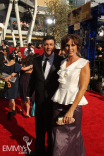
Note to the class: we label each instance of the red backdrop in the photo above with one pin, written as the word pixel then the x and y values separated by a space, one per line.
pixel 40 51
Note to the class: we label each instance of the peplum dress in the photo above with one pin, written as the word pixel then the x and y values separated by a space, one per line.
pixel 67 139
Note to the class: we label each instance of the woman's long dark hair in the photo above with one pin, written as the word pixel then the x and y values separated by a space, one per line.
pixel 28 60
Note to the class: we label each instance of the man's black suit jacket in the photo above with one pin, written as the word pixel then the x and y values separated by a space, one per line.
pixel 18 61
pixel 44 89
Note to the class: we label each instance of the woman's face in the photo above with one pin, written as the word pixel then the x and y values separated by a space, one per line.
pixel 70 48
pixel 2 43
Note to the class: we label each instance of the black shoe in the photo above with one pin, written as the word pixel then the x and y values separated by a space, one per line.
pixel 9 115
pixel 14 113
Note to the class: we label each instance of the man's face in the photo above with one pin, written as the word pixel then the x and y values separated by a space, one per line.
pixel 48 47
pixel 19 54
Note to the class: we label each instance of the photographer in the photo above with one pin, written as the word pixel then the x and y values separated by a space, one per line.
pixel 29 50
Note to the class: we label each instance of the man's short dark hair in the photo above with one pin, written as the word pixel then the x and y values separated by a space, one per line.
pixel 20 51
pixel 29 44
pixel 48 37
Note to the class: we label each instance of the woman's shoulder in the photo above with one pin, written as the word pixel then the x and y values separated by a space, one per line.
pixel 82 62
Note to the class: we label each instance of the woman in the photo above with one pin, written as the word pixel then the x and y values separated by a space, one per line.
pixel 24 81
pixel 4 46
pixel 11 91
pixel 74 76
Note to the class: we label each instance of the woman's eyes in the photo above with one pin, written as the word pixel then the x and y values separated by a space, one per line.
pixel 69 45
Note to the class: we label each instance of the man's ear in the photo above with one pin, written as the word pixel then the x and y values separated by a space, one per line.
pixel 55 46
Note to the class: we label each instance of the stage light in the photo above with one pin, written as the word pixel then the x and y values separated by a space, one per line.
pixel 49 21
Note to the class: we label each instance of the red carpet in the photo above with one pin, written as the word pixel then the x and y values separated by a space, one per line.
pixel 20 131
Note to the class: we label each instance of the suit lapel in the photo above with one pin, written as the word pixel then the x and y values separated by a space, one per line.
pixel 40 66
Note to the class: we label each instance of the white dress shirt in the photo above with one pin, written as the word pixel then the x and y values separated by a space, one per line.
pixel 48 65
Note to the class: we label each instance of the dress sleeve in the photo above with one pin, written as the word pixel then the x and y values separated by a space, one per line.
pixel 17 67
pixel 82 63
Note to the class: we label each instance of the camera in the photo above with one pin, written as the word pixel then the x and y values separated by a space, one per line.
pixel 29 49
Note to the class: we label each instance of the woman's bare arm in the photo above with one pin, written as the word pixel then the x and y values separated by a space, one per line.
pixel 27 68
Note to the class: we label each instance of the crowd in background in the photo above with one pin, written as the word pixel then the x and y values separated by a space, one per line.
pixel 13 62
pixel 25 26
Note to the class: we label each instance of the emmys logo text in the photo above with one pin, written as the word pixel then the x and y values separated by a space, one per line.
pixel 20 149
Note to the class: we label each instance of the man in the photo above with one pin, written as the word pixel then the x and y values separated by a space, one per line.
pixel 44 82
pixel 19 58
pixel 99 51
pixel 29 50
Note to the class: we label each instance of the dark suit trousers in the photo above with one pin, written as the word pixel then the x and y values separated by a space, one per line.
pixel 43 121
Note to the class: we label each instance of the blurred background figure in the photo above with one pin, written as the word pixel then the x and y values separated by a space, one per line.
pixel 5 56
pixel 1 59
pixel 11 91
pixel 99 51
pixel 4 46
pixel 15 51
pixel 39 45
pixel 19 58
pixel 24 81
pixel 29 50
pixel 62 53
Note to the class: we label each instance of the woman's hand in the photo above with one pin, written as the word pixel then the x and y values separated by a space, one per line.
pixel 68 116
pixel 6 79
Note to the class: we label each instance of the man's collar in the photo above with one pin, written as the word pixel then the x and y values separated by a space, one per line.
pixel 49 57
